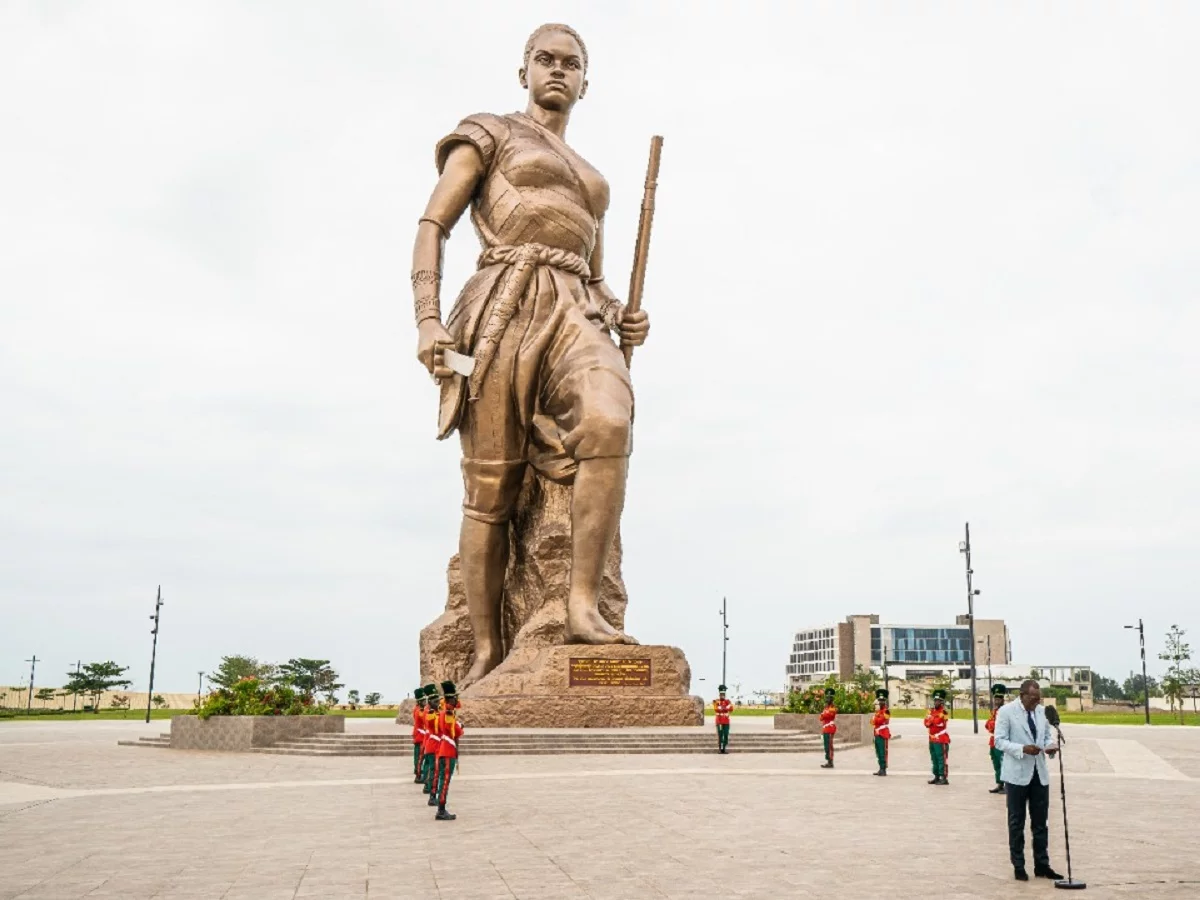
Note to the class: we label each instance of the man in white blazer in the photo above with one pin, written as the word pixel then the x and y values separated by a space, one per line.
pixel 1024 737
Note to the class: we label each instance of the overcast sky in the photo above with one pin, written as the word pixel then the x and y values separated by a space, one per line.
pixel 909 269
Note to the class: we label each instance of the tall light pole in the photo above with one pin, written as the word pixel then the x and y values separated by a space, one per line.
pixel 724 639
pixel 75 696
pixel 32 668
pixel 200 689
pixel 1145 681
pixel 964 547
pixel 153 651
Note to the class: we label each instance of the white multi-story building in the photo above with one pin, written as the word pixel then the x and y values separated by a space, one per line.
pixel 814 655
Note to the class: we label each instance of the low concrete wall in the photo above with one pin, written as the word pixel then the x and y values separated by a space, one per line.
pixel 852 727
pixel 235 733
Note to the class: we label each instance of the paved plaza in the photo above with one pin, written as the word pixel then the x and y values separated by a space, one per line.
pixel 82 817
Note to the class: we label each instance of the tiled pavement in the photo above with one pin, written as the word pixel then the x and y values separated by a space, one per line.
pixel 81 817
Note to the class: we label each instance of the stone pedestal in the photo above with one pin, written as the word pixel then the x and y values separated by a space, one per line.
pixel 581 686
pixel 240 733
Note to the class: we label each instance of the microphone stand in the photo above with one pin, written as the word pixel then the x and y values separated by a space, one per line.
pixel 1068 883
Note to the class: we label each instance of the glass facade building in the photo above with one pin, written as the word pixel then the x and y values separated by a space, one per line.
pixel 905 644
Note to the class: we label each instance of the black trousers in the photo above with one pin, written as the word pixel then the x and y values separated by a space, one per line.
pixel 1037 796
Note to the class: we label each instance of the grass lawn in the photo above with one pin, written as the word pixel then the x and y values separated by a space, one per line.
pixel 105 715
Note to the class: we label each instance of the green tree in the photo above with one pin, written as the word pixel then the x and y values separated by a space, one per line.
pixel 158 701
pixel 1135 689
pixel 1176 653
pixel 1106 689
pixel 310 677
pixel 906 697
pixel 352 699
pixel 234 668
pixel 865 680
pixel 96 678
pixel 120 701
pixel 45 695
pixel 372 699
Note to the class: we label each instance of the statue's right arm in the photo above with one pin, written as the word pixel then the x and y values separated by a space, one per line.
pixel 460 178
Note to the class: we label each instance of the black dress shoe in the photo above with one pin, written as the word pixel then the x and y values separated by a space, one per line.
pixel 1020 874
pixel 934 780
pixel 445 816
pixel 1046 872
pixel 827 766
pixel 998 789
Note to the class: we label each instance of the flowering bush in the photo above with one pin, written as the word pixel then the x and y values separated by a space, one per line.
pixel 847 698
pixel 251 697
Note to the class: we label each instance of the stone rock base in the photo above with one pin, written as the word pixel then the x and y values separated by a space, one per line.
pixel 582 686
pixel 581 712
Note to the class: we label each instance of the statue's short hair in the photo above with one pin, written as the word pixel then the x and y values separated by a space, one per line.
pixel 555 26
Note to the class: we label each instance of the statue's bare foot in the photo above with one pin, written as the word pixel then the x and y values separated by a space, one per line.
pixel 587 626
pixel 486 659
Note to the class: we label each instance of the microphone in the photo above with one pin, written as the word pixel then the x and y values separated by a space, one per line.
pixel 1055 721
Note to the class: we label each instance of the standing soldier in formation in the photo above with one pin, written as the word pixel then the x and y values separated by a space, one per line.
pixel 418 733
pixel 722 707
pixel 998 692
pixel 449 732
pixel 429 750
pixel 883 732
pixel 939 738
pixel 828 727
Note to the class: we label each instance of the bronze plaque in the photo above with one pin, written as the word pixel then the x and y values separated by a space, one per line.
pixel 600 671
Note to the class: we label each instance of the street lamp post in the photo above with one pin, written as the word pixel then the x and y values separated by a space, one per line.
pixel 200 687
pixel 153 652
pixel 964 547
pixel 32 668
pixel 724 639
pixel 1141 630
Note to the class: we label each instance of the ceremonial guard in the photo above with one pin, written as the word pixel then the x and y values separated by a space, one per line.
pixel 939 738
pixel 998 693
pixel 449 732
pixel 418 733
pixel 883 732
pixel 429 750
pixel 828 727
pixel 722 707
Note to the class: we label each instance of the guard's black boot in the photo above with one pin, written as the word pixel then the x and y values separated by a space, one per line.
pixel 445 816
pixel 998 789
pixel 827 765
pixel 418 780
pixel 433 800
pixel 1046 872
pixel 935 780
pixel 883 772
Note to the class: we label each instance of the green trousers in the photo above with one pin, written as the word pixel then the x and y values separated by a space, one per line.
pixel 997 757
pixel 429 773
pixel 722 737
pixel 827 741
pixel 881 748
pixel 445 769
pixel 416 759
pixel 937 755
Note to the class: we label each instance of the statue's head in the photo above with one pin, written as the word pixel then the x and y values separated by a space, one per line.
pixel 554 70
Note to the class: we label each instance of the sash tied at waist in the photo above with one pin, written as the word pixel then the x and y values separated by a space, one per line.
pixel 523 259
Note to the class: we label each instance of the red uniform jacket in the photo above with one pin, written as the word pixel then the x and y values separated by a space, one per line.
pixel 936 722
pixel 449 731
pixel 723 708
pixel 431 731
pixel 418 725
pixel 990 725
pixel 880 721
pixel 828 715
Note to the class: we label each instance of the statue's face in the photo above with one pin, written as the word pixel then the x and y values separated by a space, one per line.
pixel 555 75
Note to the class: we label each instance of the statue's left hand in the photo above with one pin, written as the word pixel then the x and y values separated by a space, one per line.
pixel 633 327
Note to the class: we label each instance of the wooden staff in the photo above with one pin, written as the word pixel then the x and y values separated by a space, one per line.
pixel 637 278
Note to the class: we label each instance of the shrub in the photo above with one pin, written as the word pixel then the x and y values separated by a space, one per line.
pixel 250 697
pixel 847 698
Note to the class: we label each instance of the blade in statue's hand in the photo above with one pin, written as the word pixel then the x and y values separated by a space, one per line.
pixel 463 365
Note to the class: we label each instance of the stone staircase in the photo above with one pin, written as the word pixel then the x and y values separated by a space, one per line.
pixel 549 742
pixel 163 740
pixel 524 743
